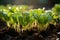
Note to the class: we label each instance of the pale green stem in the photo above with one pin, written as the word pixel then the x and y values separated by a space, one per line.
pixel 8 24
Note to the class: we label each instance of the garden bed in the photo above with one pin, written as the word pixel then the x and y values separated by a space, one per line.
pixel 22 23
pixel 49 34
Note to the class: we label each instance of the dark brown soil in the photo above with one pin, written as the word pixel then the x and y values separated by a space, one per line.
pixel 50 34
pixel 3 26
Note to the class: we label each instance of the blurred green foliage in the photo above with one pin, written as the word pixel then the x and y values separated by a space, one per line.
pixel 17 15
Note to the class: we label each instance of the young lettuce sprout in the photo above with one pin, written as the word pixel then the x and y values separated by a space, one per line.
pixel 5 17
pixel 26 20
pixel 36 13
pixel 15 21
pixel 56 12
pixel 56 9
pixel 43 21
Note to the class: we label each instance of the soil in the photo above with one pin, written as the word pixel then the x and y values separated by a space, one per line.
pixel 3 26
pixel 50 34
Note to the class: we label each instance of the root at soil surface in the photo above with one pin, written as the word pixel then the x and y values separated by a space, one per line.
pixel 50 34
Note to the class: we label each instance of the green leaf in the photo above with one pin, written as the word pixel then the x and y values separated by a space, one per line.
pixel 44 18
pixel 56 9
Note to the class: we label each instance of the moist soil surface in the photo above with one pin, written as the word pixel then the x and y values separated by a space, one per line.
pixel 50 34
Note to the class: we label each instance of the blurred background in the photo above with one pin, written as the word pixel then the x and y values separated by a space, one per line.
pixel 48 4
